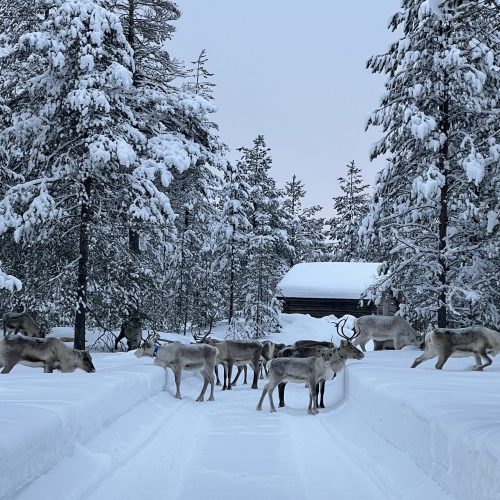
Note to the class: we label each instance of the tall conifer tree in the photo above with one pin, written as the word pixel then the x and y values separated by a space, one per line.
pixel 440 119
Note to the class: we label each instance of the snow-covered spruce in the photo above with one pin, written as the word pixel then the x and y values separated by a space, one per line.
pixel 433 202
pixel 90 151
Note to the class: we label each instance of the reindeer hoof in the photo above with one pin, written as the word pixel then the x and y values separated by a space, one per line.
pixel 211 398
pixel 199 400
pixel 254 386
pixel 273 410
pixel 259 408
pixel 178 396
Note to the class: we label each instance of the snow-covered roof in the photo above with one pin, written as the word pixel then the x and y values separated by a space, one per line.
pixel 328 280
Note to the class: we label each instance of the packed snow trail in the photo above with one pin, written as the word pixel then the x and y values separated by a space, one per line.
pixel 165 448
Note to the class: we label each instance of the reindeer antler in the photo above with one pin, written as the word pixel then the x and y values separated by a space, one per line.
pixel 341 324
pixel 199 339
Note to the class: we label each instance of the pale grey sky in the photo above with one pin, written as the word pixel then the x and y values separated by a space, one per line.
pixel 293 71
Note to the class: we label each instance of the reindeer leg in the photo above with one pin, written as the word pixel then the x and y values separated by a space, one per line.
pixel 117 340
pixel 477 357
pixel 245 371
pixel 255 364
pixel 488 361
pixel 281 394
pixel 229 373
pixel 240 368
pixel 424 357
pixel 272 386
pixel 224 385
pixel 263 395
pixel 313 409
pixel 9 364
pixel 443 357
pixel 177 375
pixel 211 378
pixel 320 391
pixel 216 371
pixel 397 343
pixel 201 397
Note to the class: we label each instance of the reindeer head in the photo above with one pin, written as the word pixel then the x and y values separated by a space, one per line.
pixel 347 348
pixel 147 347
pixel 86 361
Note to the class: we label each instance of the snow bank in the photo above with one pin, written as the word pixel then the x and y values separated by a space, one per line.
pixel 45 417
pixel 447 421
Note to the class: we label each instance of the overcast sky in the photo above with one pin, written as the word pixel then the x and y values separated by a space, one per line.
pixel 293 71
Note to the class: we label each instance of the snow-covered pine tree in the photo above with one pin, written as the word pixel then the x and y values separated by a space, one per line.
pixel 8 282
pixel 306 233
pixel 147 25
pixel 193 198
pixel 194 286
pixel 90 159
pixel 232 235
pixel 350 208
pixel 200 83
pixel 268 246
pixel 440 119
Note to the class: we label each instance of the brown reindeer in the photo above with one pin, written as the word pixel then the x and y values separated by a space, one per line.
pixel 178 357
pixel 346 350
pixel 20 321
pixel 234 353
pixel 477 341
pixel 50 353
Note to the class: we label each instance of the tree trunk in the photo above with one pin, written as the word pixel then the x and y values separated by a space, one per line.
pixel 443 216
pixel 133 241
pixel 80 317
pixel 231 283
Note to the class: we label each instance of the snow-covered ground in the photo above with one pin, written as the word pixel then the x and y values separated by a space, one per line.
pixel 388 432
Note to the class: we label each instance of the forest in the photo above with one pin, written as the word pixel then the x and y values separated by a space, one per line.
pixel 118 201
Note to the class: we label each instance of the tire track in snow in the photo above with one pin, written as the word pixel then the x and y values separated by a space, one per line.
pixel 75 476
pixel 180 450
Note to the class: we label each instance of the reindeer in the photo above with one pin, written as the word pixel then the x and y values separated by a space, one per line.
pixel 310 370
pixel 235 352
pixel 346 350
pixel 132 331
pixel 383 328
pixel 178 357
pixel 474 341
pixel 20 321
pixel 314 343
pixel 268 352
pixel 50 353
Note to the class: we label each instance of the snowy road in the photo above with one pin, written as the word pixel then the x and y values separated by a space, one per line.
pixel 169 449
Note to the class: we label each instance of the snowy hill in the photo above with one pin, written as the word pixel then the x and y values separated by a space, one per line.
pixel 388 432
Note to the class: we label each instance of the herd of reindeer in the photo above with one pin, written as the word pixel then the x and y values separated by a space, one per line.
pixel 306 361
